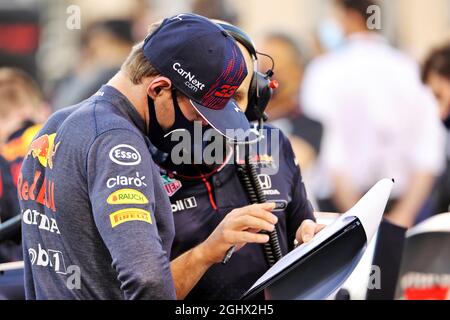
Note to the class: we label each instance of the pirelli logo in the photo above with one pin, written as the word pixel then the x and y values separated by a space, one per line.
pixel 130 214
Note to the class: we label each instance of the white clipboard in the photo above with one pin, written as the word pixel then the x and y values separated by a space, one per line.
pixel 317 269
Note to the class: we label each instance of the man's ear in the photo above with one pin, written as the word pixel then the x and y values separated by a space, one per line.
pixel 158 85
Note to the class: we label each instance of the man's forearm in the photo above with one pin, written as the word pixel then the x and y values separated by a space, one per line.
pixel 345 195
pixel 406 210
pixel 188 269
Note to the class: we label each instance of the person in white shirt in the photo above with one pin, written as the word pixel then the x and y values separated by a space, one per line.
pixel 380 120
pixel 436 74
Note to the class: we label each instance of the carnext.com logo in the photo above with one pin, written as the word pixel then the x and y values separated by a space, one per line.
pixel 192 83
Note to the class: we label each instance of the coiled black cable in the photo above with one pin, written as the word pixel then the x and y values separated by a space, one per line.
pixel 248 176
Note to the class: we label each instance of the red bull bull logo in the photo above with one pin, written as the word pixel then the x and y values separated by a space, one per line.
pixel 43 148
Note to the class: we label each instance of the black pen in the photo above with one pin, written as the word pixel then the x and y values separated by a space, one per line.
pixel 228 255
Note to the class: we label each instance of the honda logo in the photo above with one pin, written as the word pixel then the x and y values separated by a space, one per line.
pixel 265 181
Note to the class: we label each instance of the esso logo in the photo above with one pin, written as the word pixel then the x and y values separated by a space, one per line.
pixel 125 155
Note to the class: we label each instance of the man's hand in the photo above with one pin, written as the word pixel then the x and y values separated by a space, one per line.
pixel 307 230
pixel 239 227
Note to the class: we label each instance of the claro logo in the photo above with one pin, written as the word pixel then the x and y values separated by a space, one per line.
pixel 192 83
pixel 125 155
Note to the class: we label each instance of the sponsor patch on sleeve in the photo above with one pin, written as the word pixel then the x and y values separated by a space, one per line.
pixel 127 196
pixel 129 214
pixel 171 185
pixel 44 149
pixel 125 155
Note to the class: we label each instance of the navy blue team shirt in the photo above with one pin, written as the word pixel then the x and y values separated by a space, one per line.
pixel 97 223
pixel 199 207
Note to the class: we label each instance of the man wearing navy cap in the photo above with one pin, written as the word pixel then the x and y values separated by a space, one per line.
pixel 97 222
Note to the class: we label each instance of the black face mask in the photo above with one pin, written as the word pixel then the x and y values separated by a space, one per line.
pixel 163 142
pixel 159 136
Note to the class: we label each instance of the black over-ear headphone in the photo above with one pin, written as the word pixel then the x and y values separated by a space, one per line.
pixel 261 85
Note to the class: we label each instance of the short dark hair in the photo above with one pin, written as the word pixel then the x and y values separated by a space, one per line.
pixel 360 6
pixel 438 61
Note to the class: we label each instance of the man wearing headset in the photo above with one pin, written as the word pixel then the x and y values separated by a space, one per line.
pixel 96 220
pixel 202 199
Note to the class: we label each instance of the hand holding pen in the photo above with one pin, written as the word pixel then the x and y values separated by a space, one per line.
pixel 239 227
pixel 251 223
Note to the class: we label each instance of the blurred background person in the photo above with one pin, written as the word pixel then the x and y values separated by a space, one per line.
pixel 216 9
pixel 10 249
pixel 436 74
pixel 379 119
pixel 104 46
pixel 22 109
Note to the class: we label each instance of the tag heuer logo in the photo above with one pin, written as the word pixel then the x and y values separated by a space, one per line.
pixel 171 185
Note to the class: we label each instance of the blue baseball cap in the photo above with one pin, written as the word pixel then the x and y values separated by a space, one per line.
pixel 203 62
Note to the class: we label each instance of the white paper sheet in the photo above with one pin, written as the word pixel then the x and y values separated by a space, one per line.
pixel 369 210
pixel 305 248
